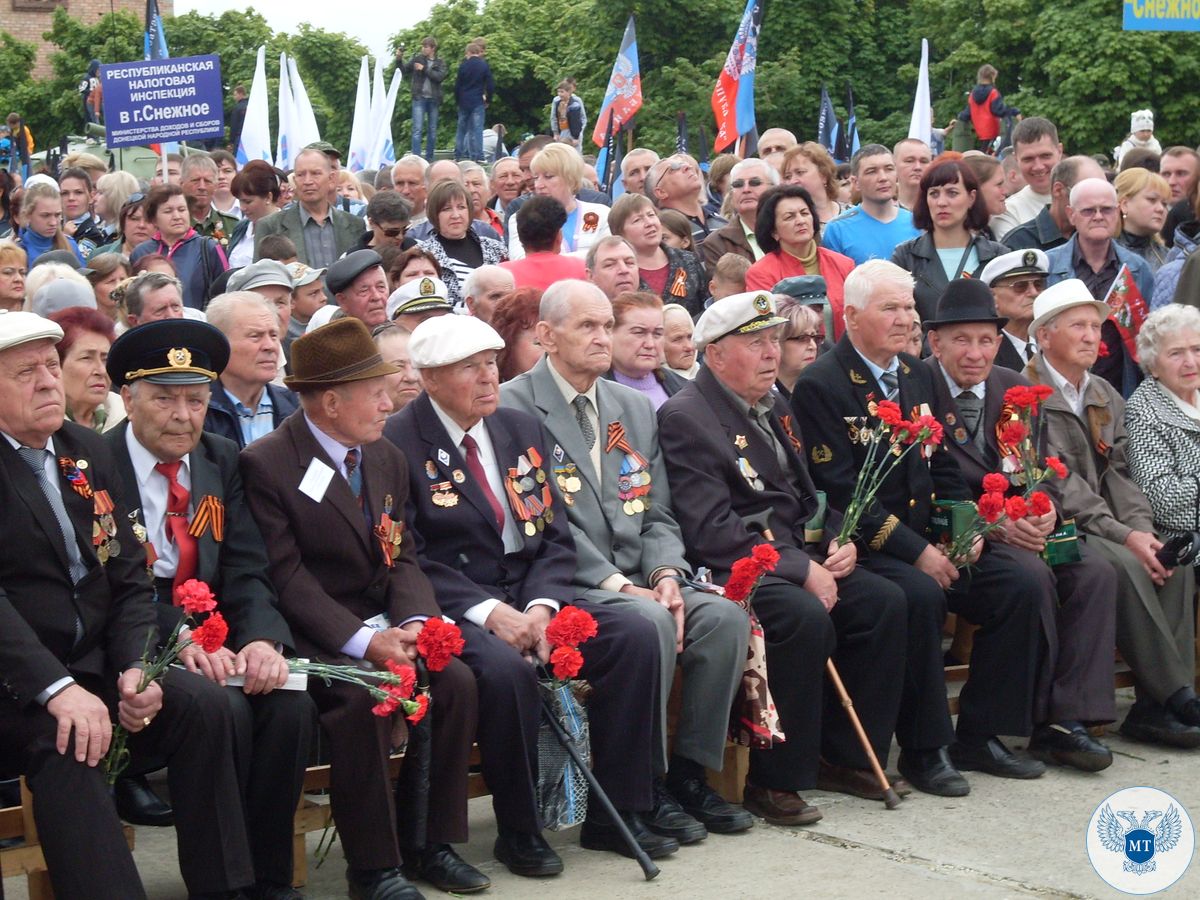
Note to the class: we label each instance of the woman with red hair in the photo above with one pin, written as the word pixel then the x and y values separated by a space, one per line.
pixel 515 317
pixel 83 353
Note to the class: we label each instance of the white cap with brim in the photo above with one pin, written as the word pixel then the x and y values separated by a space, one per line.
pixel 736 314
pixel 40 178
pixel 445 340
pixel 61 294
pixel 322 316
pixel 417 296
pixel 303 274
pixel 18 328
pixel 1019 262
pixel 1059 298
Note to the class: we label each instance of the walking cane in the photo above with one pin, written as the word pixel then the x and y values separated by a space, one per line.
pixel 759 522
pixel 412 788
pixel 649 869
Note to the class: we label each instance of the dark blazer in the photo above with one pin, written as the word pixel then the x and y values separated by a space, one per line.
pixel 973 464
pixel 236 567
pixel 729 238
pixel 1007 356
pixel 326 564
pixel 830 399
pixel 702 431
pixel 221 419
pixel 347 229
pixel 38 604
pixel 920 257
pixel 460 547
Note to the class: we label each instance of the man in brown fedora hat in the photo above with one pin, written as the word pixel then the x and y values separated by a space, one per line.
pixel 318 486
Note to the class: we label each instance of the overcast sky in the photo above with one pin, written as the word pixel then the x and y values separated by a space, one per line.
pixel 360 19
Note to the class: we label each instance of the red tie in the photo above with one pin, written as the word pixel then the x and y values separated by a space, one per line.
pixel 480 476
pixel 177 522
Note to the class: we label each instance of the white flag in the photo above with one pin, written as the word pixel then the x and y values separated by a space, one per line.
pixel 383 151
pixel 921 126
pixel 360 129
pixel 255 142
pixel 306 123
pixel 288 144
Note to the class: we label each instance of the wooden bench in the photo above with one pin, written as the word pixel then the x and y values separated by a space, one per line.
pixel 16 822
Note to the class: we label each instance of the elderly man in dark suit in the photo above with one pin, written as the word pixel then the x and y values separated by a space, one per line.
pixel 1078 599
pixel 731 450
pixel 316 486
pixel 608 466
pixel 320 231
pixel 834 400
pixel 486 517
pixel 75 618
pixel 179 480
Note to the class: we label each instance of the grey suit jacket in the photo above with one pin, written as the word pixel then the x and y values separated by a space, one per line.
pixel 347 229
pixel 607 541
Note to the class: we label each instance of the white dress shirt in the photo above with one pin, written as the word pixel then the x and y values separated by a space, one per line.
pixel 154 488
pixel 1073 397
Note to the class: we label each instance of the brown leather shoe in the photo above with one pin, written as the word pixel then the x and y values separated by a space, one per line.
pixel 857 782
pixel 779 807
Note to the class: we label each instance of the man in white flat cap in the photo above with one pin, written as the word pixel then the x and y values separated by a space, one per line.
pixel 1083 425
pixel 76 615
pixel 1016 279
pixel 492 535
pixel 417 300
pixel 731 449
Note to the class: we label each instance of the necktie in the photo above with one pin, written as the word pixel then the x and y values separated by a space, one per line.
pixel 971 409
pixel 891 384
pixel 35 459
pixel 354 473
pixel 585 424
pixel 1028 350
pixel 178 500
pixel 480 476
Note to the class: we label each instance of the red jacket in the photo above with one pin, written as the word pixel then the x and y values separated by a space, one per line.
pixel 774 267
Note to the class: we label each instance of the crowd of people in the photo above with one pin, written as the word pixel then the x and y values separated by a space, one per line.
pixel 548 397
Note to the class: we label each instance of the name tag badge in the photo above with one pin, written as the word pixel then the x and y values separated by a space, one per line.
pixel 316 480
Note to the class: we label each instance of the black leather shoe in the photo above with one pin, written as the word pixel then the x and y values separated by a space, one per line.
pixel 668 818
pixel 932 772
pixel 444 869
pixel 1154 724
pixel 993 758
pixel 380 884
pixel 1069 745
pixel 709 808
pixel 137 803
pixel 603 835
pixel 266 890
pixel 526 854
pixel 1189 712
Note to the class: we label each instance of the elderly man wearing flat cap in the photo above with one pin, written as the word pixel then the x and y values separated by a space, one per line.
pixel 359 285
pixel 1083 423
pixel 835 400
pixel 489 526
pixel 268 278
pixel 422 298
pixel 187 500
pixel 1078 597
pixel 629 549
pixel 736 464
pixel 1016 279
pixel 76 615
pixel 323 487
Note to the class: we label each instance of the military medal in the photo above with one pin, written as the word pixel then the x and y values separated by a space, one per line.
pixel 210 516
pixel 458 476
pixel 443 457
pixel 444 495
pixel 529 495
pixel 567 479
pixel 82 464
pixel 749 473
pixel 72 472
pixel 740 442
pixel 633 483
pixel 390 535
pixel 430 470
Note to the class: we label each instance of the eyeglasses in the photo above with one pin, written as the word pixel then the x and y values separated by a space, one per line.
pixel 394 232
pixel 1026 285
pixel 675 166
pixel 1091 212
pixel 816 337
pixel 741 183
pixel 133 199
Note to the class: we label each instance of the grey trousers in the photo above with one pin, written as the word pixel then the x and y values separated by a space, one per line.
pixel 1156 630
pixel 716 633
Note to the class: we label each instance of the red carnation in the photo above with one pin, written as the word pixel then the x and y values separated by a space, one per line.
pixel 1102 351
pixel 1016 508
pixel 385 708
pixel 1020 396
pixel 889 413
pixel 743 575
pixel 1013 433
pixel 991 507
pixel 195 597
pixel 994 482
pixel 571 627
pixel 422 701
pixel 211 635
pixel 1056 465
pixel 766 556
pixel 567 661
pixel 438 641
pixel 931 429
pixel 1040 503
pixel 1042 391
pixel 407 676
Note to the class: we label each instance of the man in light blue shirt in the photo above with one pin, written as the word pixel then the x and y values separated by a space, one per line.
pixel 874 228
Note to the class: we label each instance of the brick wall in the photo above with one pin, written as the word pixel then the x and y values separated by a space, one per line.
pixel 28 19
